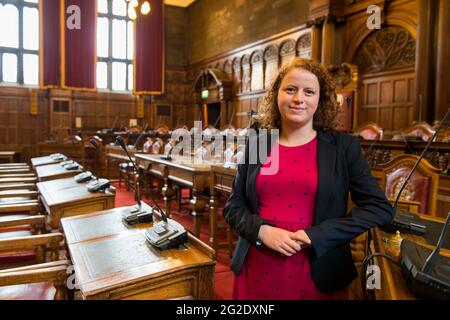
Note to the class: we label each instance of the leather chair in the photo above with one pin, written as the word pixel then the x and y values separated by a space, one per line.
pixel 14 170
pixel 13 165
pixel 162 129
pixel 126 172
pixel 157 146
pixel 370 131
pixel 420 130
pixel 422 187
pixel 40 281
pixel 13 226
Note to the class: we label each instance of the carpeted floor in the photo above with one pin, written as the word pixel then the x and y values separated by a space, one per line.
pixel 223 274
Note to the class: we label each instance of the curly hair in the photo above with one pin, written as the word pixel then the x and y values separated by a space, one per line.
pixel 327 111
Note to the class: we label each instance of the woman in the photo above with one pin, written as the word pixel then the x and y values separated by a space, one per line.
pixel 293 226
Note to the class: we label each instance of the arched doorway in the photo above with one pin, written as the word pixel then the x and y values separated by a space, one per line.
pixel 212 94
pixel 385 61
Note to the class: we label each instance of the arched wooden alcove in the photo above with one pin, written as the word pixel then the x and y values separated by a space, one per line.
pixel 218 100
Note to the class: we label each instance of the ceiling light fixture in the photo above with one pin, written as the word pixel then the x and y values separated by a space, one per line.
pixel 132 8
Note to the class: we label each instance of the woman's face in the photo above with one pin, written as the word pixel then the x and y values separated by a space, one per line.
pixel 298 98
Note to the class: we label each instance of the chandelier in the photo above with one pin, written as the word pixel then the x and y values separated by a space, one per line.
pixel 134 4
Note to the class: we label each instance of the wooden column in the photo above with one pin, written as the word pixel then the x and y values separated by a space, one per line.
pixel 424 62
pixel 316 41
pixel 223 114
pixel 442 94
pixel 328 41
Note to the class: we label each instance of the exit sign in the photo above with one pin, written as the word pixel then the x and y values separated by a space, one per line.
pixel 205 94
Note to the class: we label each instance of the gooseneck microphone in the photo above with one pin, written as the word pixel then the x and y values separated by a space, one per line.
pixel 404 220
pixel 420 159
pixel 121 143
pixel 165 234
pixel 426 272
pixel 140 136
pixel 431 261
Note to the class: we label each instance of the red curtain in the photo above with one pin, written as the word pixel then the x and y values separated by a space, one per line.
pixel 68 56
pixel 50 44
pixel 149 50
pixel 79 50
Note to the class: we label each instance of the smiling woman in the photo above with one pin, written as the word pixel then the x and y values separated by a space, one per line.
pixel 294 243
pixel 298 98
pixel 324 89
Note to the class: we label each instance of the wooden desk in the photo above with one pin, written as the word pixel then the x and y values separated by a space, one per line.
pixel 60 184
pixel 9 156
pixel 114 261
pixel 75 151
pixel 382 151
pixel 221 181
pixel 42 161
pixel 393 285
pixel 71 200
pixel 54 171
pixel 181 172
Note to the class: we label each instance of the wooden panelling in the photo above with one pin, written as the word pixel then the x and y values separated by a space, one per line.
pixel 387 100
pixel 19 130
pixel 390 61
pixel 253 67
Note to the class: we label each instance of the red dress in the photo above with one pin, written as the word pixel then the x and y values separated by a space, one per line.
pixel 286 200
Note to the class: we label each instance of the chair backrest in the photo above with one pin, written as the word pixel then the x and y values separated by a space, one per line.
pixel 420 129
pixel 422 187
pixel 157 146
pixel 162 129
pixel 370 131
pixel 147 147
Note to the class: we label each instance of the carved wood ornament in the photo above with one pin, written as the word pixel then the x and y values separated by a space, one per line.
pixel 388 48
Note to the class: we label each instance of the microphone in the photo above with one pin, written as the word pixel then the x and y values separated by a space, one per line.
pixel 94 144
pixel 432 259
pixel 426 277
pixel 121 143
pixel 140 136
pixel 167 153
pixel 407 221
pixel 137 214
pixel 114 124
pixel 165 234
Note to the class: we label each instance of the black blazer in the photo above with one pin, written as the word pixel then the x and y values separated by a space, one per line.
pixel 342 168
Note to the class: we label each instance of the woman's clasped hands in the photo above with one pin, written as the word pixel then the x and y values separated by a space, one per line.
pixel 285 242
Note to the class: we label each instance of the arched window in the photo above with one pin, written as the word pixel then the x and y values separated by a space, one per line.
pixel 19 42
pixel 114 46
